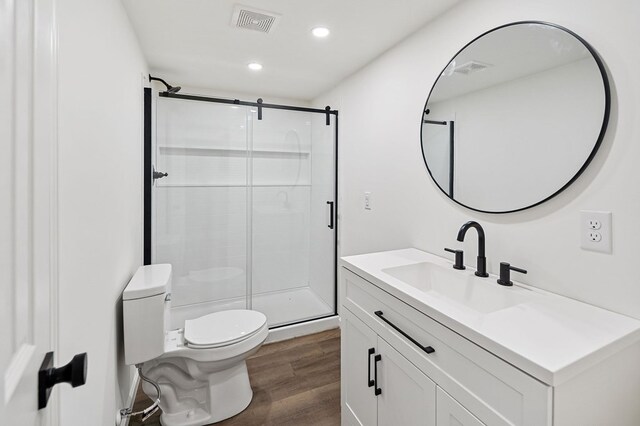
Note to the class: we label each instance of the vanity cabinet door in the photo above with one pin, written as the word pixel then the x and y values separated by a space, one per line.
pixel 407 397
pixel 359 346
pixel 451 413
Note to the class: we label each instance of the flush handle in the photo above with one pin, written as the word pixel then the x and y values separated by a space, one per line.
pixel 74 373
pixel 159 175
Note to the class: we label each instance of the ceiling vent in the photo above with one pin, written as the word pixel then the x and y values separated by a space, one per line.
pixel 254 19
pixel 470 67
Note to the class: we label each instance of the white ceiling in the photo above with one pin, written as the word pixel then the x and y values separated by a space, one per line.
pixel 192 42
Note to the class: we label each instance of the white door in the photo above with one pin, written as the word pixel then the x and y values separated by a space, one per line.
pixel 451 413
pixel 27 205
pixel 358 353
pixel 407 397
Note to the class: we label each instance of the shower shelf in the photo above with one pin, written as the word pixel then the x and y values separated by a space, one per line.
pixel 177 150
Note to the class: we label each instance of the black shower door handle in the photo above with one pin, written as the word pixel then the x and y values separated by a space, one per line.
pixel 330 203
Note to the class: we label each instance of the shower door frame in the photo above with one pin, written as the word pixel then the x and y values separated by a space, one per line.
pixel 148 175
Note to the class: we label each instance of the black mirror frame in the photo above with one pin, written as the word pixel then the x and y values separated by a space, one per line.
pixel 603 129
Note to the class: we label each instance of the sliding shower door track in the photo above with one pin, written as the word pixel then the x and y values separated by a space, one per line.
pixel 246 103
pixel 303 321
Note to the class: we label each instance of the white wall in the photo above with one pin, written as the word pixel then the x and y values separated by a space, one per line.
pixel 380 113
pixel 100 198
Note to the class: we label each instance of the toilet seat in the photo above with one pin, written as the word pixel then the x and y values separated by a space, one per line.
pixel 222 328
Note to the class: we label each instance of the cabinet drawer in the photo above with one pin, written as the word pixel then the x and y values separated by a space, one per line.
pixel 450 413
pixel 493 390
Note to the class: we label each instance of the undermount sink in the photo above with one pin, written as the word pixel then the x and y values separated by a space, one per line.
pixel 458 287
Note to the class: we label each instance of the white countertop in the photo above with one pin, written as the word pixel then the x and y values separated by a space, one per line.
pixel 550 337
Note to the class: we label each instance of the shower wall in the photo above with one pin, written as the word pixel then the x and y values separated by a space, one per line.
pixel 242 215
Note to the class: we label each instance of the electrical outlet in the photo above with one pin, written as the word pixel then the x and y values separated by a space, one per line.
pixel 595 231
pixel 594 236
pixel 367 201
pixel 594 224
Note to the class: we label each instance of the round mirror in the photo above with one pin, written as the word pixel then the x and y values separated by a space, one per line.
pixel 515 117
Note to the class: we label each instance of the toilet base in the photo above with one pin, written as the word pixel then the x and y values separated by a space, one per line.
pixel 229 393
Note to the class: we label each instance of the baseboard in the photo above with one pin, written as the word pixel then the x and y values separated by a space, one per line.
pixel 131 399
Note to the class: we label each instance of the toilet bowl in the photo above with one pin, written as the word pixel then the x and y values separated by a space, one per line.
pixel 201 369
pixel 203 373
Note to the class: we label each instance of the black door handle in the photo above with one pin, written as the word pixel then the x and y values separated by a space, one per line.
pixel 330 214
pixel 377 391
pixel 74 373
pixel 427 349
pixel 369 353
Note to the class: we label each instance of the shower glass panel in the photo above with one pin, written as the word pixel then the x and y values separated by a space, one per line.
pixel 200 223
pixel 440 135
pixel 292 246
pixel 246 212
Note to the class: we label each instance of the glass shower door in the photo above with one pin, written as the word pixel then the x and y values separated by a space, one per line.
pixel 440 135
pixel 292 175
pixel 246 211
pixel 201 206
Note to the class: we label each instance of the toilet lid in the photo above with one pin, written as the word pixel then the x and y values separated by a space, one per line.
pixel 223 328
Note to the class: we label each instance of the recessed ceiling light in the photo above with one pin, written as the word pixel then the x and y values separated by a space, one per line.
pixel 255 66
pixel 320 32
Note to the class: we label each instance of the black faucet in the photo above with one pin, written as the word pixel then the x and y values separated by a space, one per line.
pixel 505 273
pixel 481 269
pixel 459 262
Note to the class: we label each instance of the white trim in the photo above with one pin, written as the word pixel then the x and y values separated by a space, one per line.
pixel 302 329
pixel 46 114
pixel 16 370
pixel 54 295
pixel 144 83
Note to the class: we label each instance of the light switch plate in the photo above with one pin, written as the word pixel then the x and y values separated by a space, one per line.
pixel 595 231
pixel 367 200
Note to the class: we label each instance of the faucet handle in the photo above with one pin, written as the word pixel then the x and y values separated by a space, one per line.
pixel 505 273
pixel 459 258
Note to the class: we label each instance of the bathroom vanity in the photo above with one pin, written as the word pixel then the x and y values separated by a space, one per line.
pixel 425 344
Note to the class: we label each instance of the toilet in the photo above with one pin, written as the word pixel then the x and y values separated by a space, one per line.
pixel 201 369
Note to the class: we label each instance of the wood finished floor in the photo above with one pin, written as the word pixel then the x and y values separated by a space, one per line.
pixel 295 382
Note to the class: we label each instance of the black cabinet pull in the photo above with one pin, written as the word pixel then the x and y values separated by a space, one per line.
pixel 369 353
pixel 377 391
pixel 330 214
pixel 427 349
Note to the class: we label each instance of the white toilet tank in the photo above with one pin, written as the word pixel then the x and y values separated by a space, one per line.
pixel 145 305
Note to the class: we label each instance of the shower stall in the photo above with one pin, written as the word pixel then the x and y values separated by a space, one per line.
pixel 240 197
